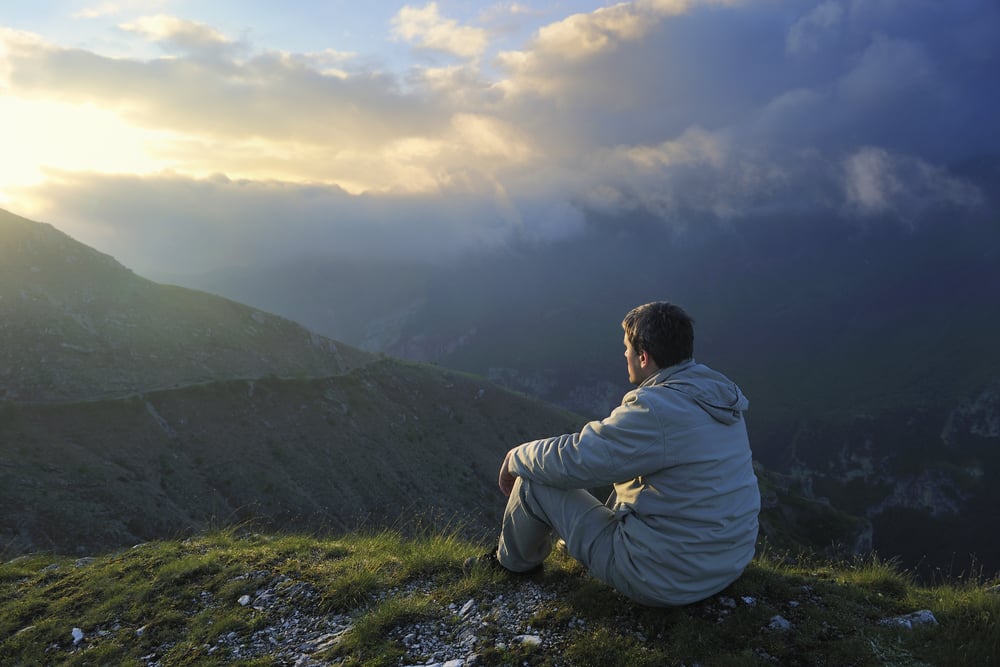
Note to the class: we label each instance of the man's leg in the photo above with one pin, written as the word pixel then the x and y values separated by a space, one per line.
pixel 534 511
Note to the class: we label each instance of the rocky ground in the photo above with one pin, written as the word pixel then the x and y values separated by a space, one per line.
pixel 293 633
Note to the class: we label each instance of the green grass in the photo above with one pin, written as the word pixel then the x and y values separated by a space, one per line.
pixel 177 602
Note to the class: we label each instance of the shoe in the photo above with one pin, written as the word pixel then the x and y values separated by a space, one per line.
pixel 561 548
pixel 489 561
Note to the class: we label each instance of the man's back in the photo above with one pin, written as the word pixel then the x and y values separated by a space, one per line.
pixel 689 525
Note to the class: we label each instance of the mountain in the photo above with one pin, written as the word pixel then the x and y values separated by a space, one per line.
pixel 76 325
pixel 388 444
pixel 814 318
pixel 858 343
pixel 377 441
pixel 131 410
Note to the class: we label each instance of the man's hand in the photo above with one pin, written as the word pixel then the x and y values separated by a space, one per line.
pixel 507 478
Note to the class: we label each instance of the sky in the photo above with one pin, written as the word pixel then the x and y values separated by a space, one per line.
pixel 181 136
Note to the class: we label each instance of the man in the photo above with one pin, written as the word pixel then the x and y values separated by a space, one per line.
pixel 683 524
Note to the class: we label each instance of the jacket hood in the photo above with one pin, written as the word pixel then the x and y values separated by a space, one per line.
pixel 717 395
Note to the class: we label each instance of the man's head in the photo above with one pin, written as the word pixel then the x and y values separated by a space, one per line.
pixel 657 335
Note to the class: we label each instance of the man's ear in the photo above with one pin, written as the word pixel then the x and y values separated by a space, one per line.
pixel 644 358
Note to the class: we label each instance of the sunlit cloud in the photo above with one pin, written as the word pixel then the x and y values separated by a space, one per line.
pixel 557 51
pixel 427 28
pixel 119 7
pixel 179 33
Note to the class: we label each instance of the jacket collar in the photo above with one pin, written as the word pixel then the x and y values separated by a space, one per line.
pixel 664 374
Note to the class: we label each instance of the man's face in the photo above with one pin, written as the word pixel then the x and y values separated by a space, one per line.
pixel 635 362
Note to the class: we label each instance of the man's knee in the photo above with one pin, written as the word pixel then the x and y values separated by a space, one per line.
pixel 527 493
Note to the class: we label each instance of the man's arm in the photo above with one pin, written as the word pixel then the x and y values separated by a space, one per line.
pixel 507 478
pixel 627 443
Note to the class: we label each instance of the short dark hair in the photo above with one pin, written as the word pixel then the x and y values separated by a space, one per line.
pixel 661 329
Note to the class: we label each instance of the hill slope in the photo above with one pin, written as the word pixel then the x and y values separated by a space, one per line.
pixel 388 443
pixel 76 325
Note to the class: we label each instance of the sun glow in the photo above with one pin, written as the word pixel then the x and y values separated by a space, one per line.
pixel 37 136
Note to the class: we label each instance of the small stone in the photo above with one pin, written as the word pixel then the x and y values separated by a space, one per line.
pixel 466 608
pixel 244 600
pixel 528 640
pixel 779 622
pixel 77 635
pixel 909 621
pixel 141 631
pixel 748 601
pixel 727 602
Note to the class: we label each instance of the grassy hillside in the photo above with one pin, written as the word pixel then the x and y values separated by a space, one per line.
pixel 391 442
pixel 380 599
pixel 76 325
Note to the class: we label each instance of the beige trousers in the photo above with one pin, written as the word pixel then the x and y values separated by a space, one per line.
pixel 536 513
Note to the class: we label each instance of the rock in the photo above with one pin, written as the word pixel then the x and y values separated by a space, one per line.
pixel 780 623
pixel 466 608
pixel 528 640
pixel 77 635
pixel 244 600
pixel 909 621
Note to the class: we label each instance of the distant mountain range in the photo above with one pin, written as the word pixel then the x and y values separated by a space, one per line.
pixel 131 410
pixel 859 342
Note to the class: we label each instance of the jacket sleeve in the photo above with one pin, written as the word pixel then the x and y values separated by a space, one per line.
pixel 628 443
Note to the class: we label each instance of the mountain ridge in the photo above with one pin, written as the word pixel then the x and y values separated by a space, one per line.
pixel 76 324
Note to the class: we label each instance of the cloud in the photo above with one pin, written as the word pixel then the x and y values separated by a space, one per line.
pixel 887 69
pixel 684 110
pixel 877 182
pixel 268 97
pixel 425 27
pixel 175 224
pixel 808 32
pixel 185 36
pixel 119 7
